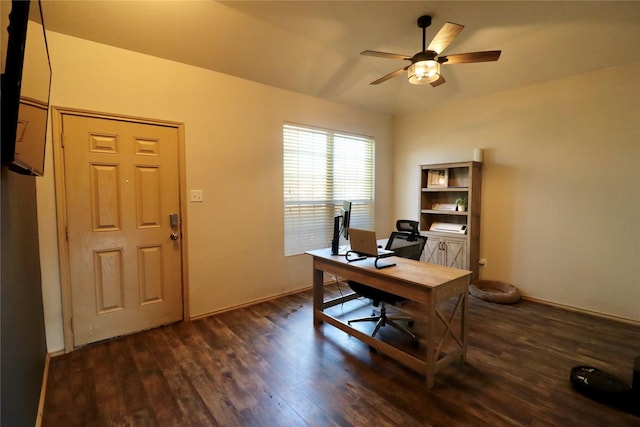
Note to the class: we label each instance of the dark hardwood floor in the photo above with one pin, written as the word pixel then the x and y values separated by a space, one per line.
pixel 266 365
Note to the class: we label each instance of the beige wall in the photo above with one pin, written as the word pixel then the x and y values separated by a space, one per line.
pixel 561 184
pixel 233 133
pixel 560 194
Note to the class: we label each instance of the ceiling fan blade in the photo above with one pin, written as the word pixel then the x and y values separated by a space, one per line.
pixel 445 36
pixel 388 76
pixel 464 58
pixel 439 81
pixel 385 54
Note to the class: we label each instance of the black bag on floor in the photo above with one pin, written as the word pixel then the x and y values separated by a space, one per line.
pixel 607 388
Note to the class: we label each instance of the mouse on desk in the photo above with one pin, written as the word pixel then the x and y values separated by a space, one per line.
pixel 379 246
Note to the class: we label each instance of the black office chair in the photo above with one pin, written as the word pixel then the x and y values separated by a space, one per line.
pixel 407 243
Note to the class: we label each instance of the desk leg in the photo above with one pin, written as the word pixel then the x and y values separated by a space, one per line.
pixel 431 342
pixel 464 325
pixel 318 294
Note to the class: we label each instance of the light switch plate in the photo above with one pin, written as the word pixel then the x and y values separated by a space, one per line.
pixel 196 196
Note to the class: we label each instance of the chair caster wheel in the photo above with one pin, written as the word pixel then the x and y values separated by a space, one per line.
pixel 410 323
pixel 415 343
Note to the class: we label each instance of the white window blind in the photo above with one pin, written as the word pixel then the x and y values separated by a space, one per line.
pixel 323 168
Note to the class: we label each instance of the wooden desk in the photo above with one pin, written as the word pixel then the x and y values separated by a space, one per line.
pixel 427 284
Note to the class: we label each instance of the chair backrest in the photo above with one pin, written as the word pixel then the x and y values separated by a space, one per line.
pixel 408 226
pixel 406 245
pixel 407 242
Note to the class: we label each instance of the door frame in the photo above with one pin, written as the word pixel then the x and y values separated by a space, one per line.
pixel 61 208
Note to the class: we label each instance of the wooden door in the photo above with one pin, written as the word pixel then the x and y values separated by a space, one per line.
pixel 121 186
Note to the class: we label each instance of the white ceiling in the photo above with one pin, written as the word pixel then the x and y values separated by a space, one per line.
pixel 312 47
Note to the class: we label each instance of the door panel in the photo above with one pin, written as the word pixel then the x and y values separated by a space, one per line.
pixel 122 183
pixel 431 252
pixel 105 198
pixel 454 253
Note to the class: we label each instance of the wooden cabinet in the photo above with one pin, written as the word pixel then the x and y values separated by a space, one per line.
pixel 447 251
pixel 453 234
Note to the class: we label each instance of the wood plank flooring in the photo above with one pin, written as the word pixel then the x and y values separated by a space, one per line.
pixel 266 365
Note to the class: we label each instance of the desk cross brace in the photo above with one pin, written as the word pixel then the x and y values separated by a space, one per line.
pixel 448 327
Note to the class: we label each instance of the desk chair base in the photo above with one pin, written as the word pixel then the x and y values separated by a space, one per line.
pixel 383 320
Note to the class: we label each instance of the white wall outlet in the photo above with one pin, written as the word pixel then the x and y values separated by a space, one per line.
pixel 483 262
pixel 196 196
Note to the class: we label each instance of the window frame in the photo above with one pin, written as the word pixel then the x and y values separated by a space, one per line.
pixel 315 157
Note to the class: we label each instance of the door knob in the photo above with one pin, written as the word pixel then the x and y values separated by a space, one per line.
pixel 174 236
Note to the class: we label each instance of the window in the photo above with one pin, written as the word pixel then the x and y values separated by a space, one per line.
pixel 323 168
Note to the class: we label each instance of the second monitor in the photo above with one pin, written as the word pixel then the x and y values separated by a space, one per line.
pixel 341 225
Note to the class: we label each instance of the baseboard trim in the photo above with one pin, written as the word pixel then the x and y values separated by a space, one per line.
pixel 43 391
pixel 250 303
pixel 57 353
pixel 524 297
pixel 582 310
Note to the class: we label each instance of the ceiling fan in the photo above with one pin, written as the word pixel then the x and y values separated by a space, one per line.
pixel 425 65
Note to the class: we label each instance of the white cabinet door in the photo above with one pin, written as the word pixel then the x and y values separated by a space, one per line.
pixel 450 252
pixel 431 252
pixel 454 253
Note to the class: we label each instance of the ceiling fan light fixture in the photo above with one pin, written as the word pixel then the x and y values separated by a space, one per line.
pixel 424 72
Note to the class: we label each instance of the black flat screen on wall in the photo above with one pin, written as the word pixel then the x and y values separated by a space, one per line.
pixel 26 82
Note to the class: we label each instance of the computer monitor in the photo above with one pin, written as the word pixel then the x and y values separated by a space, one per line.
pixel 346 218
pixel 341 225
